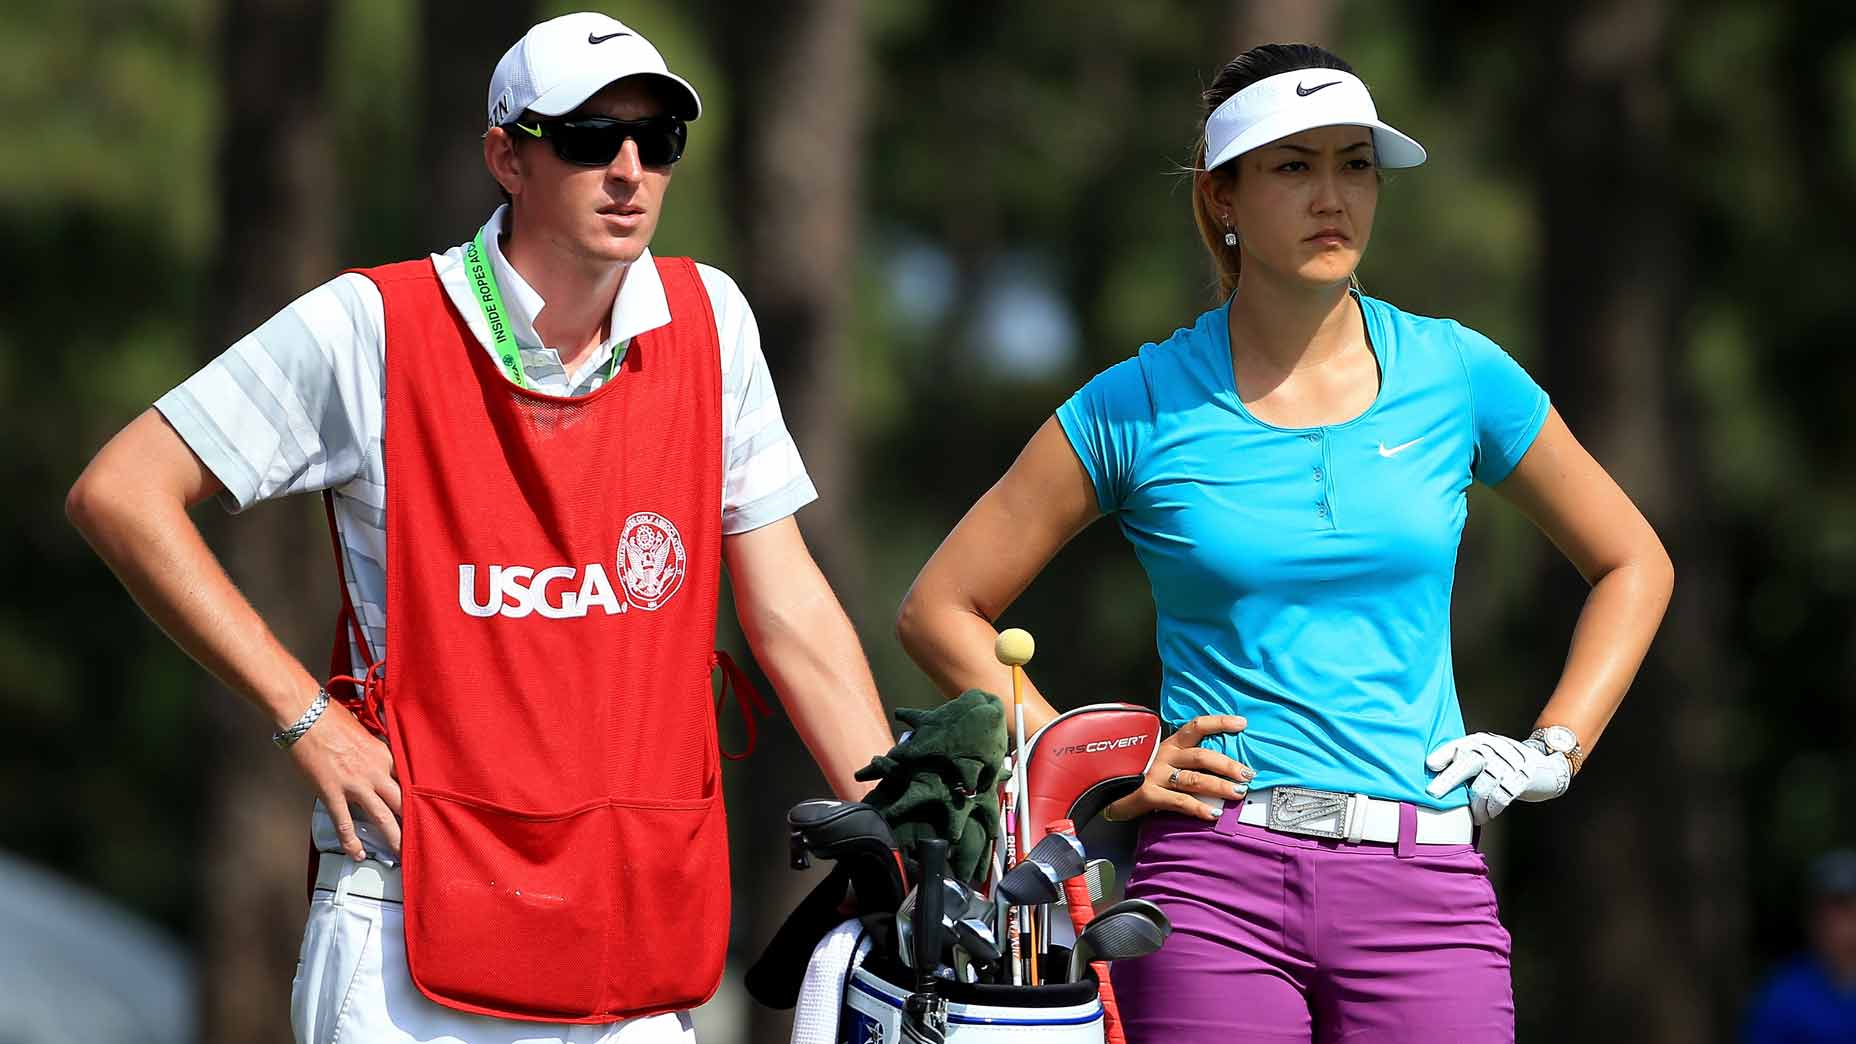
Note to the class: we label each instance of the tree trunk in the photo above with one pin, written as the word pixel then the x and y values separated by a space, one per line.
pixel 460 45
pixel 796 80
pixel 796 76
pixel 1648 886
pixel 277 233
pixel 1282 21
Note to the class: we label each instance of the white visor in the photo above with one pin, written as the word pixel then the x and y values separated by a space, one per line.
pixel 1290 103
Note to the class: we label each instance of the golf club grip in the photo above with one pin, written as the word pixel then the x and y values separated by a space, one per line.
pixel 1081 913
pixel 929 907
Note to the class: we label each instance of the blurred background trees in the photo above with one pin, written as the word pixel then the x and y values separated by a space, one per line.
pixel 276 187
pixel 948 215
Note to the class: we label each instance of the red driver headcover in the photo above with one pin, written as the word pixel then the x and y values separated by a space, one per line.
pixel 1085 759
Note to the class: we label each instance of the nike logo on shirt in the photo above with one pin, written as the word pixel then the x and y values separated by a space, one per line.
pixel 1400 448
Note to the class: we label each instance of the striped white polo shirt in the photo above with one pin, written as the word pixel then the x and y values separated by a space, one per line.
pixel 298 406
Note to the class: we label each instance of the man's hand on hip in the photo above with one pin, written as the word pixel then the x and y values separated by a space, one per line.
pixel 349 765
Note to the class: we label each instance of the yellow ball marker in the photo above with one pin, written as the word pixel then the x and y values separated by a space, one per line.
pixel 1015 647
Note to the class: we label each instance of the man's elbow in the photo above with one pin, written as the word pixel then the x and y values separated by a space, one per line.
pixel 87 502
pixel 104 500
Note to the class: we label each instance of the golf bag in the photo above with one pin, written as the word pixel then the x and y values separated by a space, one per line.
pixel 903 971
pixel 876 1009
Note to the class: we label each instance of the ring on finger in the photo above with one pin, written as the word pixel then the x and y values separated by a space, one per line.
pixel 1172 781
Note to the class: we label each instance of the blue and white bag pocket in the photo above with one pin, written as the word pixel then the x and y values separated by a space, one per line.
pixel 1063 1013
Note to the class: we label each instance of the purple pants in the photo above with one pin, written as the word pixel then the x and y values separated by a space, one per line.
pixel 1280 937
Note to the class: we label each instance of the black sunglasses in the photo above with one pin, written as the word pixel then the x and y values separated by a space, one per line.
pixel 593 141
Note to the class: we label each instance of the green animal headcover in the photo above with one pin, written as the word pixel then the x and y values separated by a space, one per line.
pixel 943 780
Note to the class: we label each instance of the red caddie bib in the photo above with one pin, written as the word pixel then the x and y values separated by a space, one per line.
pixel 552 571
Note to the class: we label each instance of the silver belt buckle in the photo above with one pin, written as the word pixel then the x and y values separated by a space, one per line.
pixel 1299 810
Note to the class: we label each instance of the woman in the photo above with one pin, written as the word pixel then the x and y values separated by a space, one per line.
pixel 1292 471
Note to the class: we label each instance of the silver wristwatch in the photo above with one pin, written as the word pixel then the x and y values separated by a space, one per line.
pixel 289 734
pixel 1558 739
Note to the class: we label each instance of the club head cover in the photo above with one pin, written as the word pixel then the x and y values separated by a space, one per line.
pixel 1086 759
pixel 775 978
pixel 942 781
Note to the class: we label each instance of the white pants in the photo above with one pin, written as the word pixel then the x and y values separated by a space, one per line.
pixel 352 985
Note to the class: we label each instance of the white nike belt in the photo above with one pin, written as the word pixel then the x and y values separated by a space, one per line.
pixel 369 878
pixel 1348 817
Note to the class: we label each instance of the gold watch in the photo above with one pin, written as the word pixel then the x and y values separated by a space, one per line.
pixel 1558 739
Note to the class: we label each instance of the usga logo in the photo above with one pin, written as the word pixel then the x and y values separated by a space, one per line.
pixel 651 564
pixel 1098 746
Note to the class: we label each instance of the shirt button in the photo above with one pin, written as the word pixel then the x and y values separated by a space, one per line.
pixel 1317 474
pixel 1322 510
pixel 1313 436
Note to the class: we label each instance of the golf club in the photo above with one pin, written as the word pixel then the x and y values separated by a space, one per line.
pixel 959 902
pixel 1036 881
pixel 1098 879
pixel 1083 896
pixel 852 832
pixel 905 929
pixel 1003 848
pixel 1014 647
pixel 1130 928
pixel 1038 878
pixel 927 1009
pixel 1065 830
pixel 976 937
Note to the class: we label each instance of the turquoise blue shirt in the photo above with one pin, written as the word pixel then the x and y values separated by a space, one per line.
pixel 1302 576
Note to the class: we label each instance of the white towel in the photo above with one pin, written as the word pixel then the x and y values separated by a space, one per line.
pixel 821 995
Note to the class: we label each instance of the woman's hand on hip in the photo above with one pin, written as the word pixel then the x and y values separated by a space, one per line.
pixel 1182 769
pixel 1499 770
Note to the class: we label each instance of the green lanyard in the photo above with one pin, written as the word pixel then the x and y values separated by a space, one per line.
pixel 490 299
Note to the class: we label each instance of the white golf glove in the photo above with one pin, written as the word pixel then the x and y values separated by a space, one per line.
pixel 1499 770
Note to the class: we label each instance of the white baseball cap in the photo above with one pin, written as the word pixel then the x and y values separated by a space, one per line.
pixel 560 63
pixel 1290 103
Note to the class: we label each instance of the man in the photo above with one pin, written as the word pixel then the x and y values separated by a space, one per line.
pixel 1812 998
pixel 579 437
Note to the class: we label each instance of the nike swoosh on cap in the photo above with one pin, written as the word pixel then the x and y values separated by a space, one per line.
pixel 1306 91
pixel 590 38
